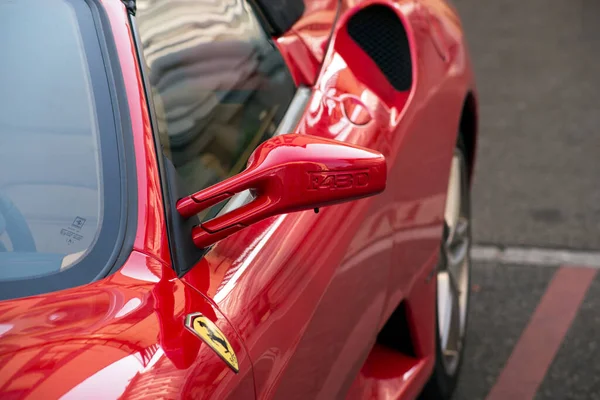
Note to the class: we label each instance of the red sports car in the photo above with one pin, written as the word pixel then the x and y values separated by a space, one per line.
pixel 234 198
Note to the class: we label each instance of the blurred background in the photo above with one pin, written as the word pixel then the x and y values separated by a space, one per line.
pixel 536 188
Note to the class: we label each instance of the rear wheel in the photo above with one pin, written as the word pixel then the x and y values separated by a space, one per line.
pixel 453 280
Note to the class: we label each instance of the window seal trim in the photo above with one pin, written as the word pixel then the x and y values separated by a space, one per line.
pixel 174 222
pixel 125 141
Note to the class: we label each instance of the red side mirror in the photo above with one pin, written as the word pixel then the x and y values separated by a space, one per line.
pixel 288 173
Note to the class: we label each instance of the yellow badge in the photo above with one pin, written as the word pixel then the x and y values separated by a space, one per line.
pixel 213 337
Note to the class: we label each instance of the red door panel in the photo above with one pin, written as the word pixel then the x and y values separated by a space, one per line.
pixel 289 287
pixel 306 291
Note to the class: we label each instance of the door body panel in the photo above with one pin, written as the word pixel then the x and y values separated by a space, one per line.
pixel 295 296
pixel 307 291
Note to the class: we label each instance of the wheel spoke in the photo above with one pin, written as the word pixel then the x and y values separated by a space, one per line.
pixel 457 247
pixel 453 199
pixel 449 312
pixel 450 353
pixel 453 274
pixel 460 232
pixel 445 300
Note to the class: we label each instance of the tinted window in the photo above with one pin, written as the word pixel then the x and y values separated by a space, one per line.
pixel 219 85
pixel 55 123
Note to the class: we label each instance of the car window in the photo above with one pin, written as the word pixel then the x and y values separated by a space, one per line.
pixel 219 86
pixel 55 112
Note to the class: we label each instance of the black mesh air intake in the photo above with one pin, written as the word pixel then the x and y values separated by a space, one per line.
pixel 380 33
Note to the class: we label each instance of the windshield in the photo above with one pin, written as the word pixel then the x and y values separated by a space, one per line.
pixel 56 122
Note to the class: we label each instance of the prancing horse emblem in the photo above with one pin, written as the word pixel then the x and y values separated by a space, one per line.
pixel 203 327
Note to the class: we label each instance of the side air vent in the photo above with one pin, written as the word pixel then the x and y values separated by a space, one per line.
pixel 379 32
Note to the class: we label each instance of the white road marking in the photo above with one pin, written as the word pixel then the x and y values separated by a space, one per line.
pixel 536 256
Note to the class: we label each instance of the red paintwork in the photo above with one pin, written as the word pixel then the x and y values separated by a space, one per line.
pixel 304 46
pixel 150 238
pixel 387 374
pixel 300 296
pixel 120 333
pixel 288 173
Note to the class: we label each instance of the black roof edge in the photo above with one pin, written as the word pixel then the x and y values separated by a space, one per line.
pixel 130 5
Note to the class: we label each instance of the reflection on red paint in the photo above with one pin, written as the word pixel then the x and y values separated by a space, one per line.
pixel 389 375
pixel 123 353
pixel 281 287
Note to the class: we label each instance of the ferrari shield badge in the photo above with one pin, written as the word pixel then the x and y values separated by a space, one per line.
pixel 203 327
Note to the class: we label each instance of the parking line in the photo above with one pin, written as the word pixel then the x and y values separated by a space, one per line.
pixel 535 256
pixel 532 355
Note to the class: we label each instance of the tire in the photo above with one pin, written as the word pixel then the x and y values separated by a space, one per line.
pixel 449 347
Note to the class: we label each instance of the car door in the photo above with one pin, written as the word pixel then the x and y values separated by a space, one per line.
pixel 304 295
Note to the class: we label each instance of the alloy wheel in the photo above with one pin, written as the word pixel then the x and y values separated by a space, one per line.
pixel 453 273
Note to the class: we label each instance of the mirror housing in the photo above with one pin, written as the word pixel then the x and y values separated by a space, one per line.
pixel 288 173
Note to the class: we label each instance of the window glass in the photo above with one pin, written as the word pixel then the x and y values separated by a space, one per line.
pixel 219 85
pixel 51 192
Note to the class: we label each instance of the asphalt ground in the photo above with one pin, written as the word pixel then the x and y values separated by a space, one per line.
pixel 537 184
pixel 537 64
